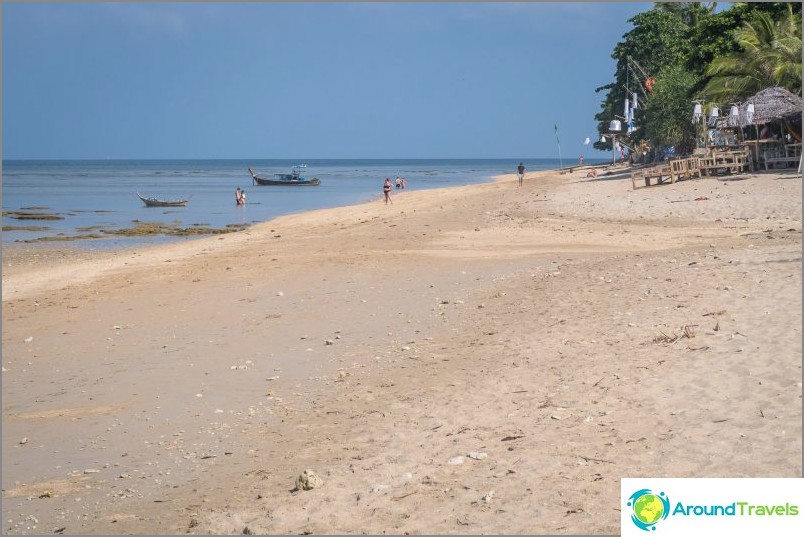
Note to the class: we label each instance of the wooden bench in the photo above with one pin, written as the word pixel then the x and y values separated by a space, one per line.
pixel 792 161
pixel 676 169
pixel 685 168
pixel 659 173
pixel 730 161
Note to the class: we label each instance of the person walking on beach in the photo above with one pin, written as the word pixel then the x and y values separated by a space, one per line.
pixel 386 188
pixel 580 160
pixel 520 172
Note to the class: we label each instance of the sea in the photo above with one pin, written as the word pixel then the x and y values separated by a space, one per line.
pixel 89 197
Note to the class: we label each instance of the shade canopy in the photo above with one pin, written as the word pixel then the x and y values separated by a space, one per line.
pixel 771 104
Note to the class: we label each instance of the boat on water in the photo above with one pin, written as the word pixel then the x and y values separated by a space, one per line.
pixel 293 178
pixel 153 202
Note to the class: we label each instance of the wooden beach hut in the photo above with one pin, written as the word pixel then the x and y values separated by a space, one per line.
pixel 770 124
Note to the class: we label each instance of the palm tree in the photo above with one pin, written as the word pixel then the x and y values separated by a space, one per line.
pixel 770 56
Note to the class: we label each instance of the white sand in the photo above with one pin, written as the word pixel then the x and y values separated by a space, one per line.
pixel 574 331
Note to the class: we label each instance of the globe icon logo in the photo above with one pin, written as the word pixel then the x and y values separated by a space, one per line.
pixel 648 508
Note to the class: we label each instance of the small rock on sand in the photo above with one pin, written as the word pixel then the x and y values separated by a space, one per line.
pixel 309 480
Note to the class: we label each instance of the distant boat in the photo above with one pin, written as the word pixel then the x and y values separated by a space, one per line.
pixel 293 178
pixel 153 202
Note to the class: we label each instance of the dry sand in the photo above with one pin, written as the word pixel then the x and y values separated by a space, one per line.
pixel 567 333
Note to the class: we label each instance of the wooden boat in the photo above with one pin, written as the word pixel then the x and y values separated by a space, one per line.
pixel 153 202
pixel 293 178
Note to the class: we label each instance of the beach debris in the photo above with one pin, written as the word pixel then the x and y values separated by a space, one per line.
pixel 477 455
pixel 28 339
pixel 247 531
pixel 379 488
pixel 91 471
pixel 488 496
pixel 328 342
pixel 309 480
pixel 456 460
pixel 687 331
pixel 507 438
pixel 24 440
pixel 592 459
pixel 280 293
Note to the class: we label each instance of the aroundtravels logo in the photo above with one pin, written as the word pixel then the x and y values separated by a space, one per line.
pixel 711 506
pixel 648 508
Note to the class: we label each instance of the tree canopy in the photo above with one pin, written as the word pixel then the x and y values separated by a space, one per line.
pixel 678 52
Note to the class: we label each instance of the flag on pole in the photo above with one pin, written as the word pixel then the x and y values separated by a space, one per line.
pixel 560 161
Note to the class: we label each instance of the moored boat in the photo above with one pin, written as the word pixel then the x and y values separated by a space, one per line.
pixel 293 178
pixel 154 202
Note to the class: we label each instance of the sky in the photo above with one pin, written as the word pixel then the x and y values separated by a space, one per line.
pixel 158 80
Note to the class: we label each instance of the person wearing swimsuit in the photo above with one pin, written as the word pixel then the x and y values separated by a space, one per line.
pixel 386 188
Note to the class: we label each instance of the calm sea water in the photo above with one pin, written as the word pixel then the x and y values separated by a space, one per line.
pixel 103 193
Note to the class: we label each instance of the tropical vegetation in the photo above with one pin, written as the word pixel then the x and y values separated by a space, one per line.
pixel 678 53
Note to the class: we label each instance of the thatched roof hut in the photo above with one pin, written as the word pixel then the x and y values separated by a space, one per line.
pixel 771 104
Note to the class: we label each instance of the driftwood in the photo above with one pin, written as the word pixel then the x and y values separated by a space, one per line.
pixel 687 331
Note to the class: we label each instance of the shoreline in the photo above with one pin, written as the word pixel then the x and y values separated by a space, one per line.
pixel 347 184
pixel 182 389
pixel 113 242
pixel 31 256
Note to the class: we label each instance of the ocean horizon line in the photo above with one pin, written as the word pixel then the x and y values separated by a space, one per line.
pixel 308 159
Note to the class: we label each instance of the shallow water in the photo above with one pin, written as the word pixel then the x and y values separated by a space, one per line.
pixel 102 194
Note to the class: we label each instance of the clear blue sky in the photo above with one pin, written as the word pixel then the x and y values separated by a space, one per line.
pixel 306 80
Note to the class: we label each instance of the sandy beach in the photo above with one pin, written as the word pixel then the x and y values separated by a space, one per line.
pixel 478 359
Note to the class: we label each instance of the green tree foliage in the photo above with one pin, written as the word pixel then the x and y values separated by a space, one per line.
pixel 769 55
pixel 658 39
pixel 688 46
pixel 668 110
